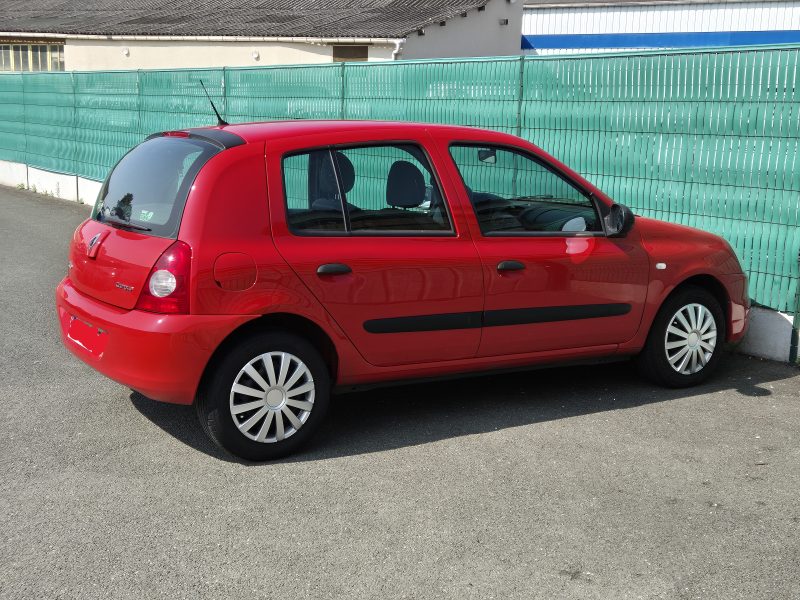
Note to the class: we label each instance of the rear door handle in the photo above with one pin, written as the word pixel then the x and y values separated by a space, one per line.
pixel 333 269
pixel 510 265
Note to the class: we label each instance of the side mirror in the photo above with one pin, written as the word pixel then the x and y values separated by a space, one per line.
pixel 487 155
pixel 619 220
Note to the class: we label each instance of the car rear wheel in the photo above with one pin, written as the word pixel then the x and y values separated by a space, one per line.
pixel 266 397
pixel 685 341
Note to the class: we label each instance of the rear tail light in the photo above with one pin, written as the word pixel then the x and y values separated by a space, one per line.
pixel 167 289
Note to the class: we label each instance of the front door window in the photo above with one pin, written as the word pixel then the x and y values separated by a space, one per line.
pixel 513 194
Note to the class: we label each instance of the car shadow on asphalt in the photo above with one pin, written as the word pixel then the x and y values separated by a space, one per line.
pixel 408 415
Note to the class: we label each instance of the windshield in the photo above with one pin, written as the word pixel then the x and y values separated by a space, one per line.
pixel 148 187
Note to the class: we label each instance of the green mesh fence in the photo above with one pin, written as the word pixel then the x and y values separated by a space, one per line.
pixel 706 138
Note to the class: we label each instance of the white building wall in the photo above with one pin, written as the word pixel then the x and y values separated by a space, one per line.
pixel 663 18
pixel 477 34
pixel 100 55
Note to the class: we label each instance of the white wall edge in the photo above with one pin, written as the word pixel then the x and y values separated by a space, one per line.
pixel 53 184
pixel 41 181
pixel 769 335
pixel 88 189
pixel 13 174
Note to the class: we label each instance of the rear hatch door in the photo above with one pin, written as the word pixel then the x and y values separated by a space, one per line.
pixel 121 263
pixel 136 217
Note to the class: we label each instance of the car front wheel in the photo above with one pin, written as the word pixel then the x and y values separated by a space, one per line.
pixel 685 341
pixel 265 397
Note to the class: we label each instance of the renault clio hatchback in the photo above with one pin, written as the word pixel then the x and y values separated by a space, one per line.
pixel 253 269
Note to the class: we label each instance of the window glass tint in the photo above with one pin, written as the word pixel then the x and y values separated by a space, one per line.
pixel 391 188
pixel 513 193
pixel 149 186
pixel 312 195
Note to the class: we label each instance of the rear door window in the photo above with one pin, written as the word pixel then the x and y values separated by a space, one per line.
pixel 391 189
pixel 312 193
pixel 386 189
pixel 148 188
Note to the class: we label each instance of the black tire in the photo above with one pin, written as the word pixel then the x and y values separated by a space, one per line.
pixel 653 361
pixel 214 400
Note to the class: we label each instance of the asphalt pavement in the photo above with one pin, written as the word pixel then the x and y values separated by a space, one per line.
pixel 582 482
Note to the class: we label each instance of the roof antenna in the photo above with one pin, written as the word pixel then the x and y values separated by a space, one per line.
pixel 220 121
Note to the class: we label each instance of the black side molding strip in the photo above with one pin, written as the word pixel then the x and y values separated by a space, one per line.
pixel 495 318
pixel 442 322
pixel 547 314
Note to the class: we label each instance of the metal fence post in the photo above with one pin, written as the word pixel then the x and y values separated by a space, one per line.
pixel 224 94
pixel 25 128
pixel 520 93
pixel 795 341
pixel 139 101
pixel 341 92
pixel 74 128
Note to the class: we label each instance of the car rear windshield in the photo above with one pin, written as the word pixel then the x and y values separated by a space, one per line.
pixel 147 189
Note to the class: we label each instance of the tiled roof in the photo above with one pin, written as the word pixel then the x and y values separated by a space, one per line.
pixel 281 18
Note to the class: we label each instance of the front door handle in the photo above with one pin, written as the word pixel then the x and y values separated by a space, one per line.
pixel 510 265
pixel 333 269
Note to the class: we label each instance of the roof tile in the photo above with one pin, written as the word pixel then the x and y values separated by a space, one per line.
pixel 256 18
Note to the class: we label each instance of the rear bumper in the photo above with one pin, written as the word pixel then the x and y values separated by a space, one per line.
pixel 160 356
pixel 739 316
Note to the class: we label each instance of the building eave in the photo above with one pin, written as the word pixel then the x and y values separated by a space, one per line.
pixel 204 38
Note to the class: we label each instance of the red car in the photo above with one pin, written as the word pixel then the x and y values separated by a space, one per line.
pixel 253 269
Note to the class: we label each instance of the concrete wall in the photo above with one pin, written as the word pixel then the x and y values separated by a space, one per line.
pixel 53 184
pixel 769 336
pixel 58 185
pixel 98 55
pixel 88 189
pixel 13 174
pixel 477 34
pixel 379 52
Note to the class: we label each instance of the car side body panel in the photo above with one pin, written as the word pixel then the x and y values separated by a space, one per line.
pixel 227 215
pixel 679 253
pixel 564 279
pixel 235 224
pixel 395 281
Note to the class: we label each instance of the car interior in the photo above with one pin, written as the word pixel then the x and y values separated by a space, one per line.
pixel 391 188
pixel 498 215
pixel 513 193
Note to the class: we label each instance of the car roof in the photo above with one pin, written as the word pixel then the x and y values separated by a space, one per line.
pixel 271 130
pixel 260 132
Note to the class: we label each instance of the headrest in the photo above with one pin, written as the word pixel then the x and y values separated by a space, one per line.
pixel 327 180
pixel 405 186
pixel 347 172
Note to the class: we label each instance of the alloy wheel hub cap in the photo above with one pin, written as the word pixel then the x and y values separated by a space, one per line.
pixel 272 397
pixel 275 398
pixel 690 339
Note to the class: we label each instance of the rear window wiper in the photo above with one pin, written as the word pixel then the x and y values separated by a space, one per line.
pixel 125 224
